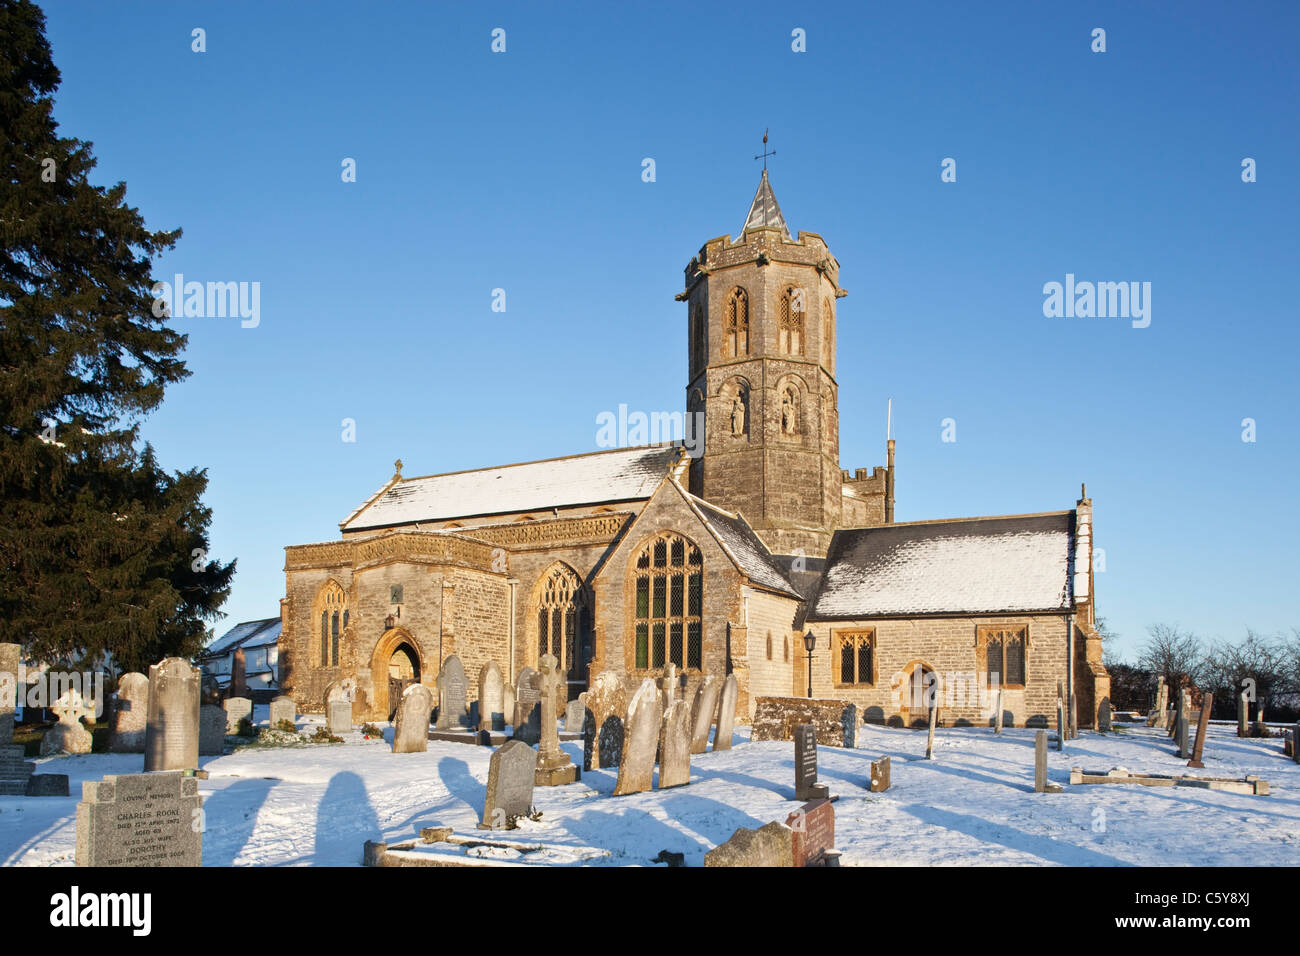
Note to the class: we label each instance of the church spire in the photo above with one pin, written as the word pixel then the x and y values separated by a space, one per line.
pixel 763 211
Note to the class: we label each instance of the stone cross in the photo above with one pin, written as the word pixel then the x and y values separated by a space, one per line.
pixel 69 735
pixel 554 768
pixel 1207 704
pixel 668 684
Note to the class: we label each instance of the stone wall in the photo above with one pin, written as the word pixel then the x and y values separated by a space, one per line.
pixel 776 717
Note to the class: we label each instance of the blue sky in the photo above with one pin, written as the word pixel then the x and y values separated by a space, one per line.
pixel 522 171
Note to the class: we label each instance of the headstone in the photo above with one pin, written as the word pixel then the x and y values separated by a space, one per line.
pixel 770 845
pixel 511 772
pixel 703 708
pixel 929 734
pixel 1040 765
pixel 1158 709
pixel 880 775
pixel 238 680
pixel 237 709
pixel 1184 718
pixel 338 717
pixel 491 699
pixel 1243 714
pixel 997 719
pixel 411 732
pixel 48 785
pixel 212 730
pixel 342 690
pixel 452 693
pixel 602 726
pixel 554 768
pixel 508 701
pixel 675 746
pixel 130 715
pixel 814 833
pixel 283 708
pixel 527 720
pixel 145 819
pixel 668 684
pixel 640 740
pixel 1060 724
pixel 171 737
pixel 726 714
pixel 69 735
pixel 574 712
pixel 1103 716
pixel 1295 742
pixel 209 689
pixel 1207 704
pixel 849 718
pixel 806 786
pixel 9 659
pixel 15 772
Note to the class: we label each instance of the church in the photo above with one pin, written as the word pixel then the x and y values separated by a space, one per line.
pixel 726 558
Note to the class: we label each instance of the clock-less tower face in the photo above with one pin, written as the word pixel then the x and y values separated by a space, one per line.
pixel 761 328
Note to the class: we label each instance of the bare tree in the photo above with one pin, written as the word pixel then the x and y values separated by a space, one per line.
pixel 1257 664
pixel 1175 654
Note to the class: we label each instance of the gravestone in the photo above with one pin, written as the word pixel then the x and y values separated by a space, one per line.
pixel 491 699
pixel 554 768
pixel 237 709
pixel 1295 742
pixel 69 735
pixel 675 746
pixel 770 845
pixel 171 737
pixel 527 720
pixel 879 775
pixel 575 711
pixel 703 708
pixel 1060 724
pixel 508 700
pixel 48 785
pixel 130 715
pixel 1207 704
pixel 668 684
pixel 342 690
pixel 806 786
pixel 145 819
pixel 726 714
pixel 511 772
pixel 238 680
pixel 209 689
pixel 602 726
pixel 1103 716
pixel 283 708
pixel 640 740
pixel 452 692
pixel 813 826
pixel 411 729
pixel 212 730
pixel 9 659
pixel 1243 714
pixel 1183 720
pixel 338 717
pixel 997 719
pixel 1040 765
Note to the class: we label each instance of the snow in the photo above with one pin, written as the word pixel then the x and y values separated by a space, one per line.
pixel 972 804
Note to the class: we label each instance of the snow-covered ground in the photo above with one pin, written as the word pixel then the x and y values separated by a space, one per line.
pixel 973 804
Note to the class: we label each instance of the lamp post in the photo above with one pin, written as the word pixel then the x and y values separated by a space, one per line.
pixel 810 642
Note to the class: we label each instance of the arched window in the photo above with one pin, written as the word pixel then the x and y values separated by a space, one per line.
pixel 769 645
pixel 735 335
pixel 790 324
pixel 332 605
pixel 563 627
pixel 787 648
pixel 667 619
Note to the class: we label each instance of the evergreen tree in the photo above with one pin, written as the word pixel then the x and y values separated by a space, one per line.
pixel 101 551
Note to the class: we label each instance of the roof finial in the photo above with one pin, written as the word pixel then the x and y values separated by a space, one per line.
pixel 763 156
pixel 398 466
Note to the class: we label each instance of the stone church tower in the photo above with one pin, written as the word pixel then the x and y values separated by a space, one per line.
pixel 761 313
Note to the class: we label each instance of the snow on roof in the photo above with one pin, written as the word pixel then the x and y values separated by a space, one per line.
pixel 266 636
pixel 739 539
pixel 240 635
pixel 980 565
pixel 623 474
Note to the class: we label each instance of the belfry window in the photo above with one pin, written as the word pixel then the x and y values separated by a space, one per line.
pixel 667 619
pixel 790 324
pixel 736 324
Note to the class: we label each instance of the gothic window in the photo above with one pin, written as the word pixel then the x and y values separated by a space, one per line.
pixel 1003 650
pixel 854 658
pixel 736 324
pixel 790 322
pixel 667 618
pixel 332 606
pixel 562 622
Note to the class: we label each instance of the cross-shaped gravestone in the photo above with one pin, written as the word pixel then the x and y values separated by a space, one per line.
pixel 69 736
pixel 553 765
pixel 668 684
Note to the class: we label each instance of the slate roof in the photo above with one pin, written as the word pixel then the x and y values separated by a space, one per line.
pixel 764 211
pixel 623 474
pixel 739 539
pixel 246 634
pixel 982 565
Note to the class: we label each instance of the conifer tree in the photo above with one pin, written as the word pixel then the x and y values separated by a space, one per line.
pixel 101 550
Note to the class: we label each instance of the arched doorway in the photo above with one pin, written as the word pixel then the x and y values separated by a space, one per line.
pixel 394 666
pixel 563 625
pixel 920 686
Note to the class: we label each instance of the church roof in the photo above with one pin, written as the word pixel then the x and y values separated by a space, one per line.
pixel 246 634
pixel 739 540
pixel 1019 563
pixel 622 474
pixel 763 211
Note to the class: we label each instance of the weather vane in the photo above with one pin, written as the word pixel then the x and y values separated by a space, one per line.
pixel 765 153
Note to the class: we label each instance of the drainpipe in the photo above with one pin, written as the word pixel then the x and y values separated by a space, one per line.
pixel 1071 719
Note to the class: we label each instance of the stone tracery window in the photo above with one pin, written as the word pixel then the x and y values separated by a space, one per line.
pixel 735 335
pixel 562 621
pixel 1002 648
pixel 854 661
pixel 332 610
pixel 790 322
pixel 667 618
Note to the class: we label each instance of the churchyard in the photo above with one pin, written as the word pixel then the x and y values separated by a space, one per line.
pixel 974 802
